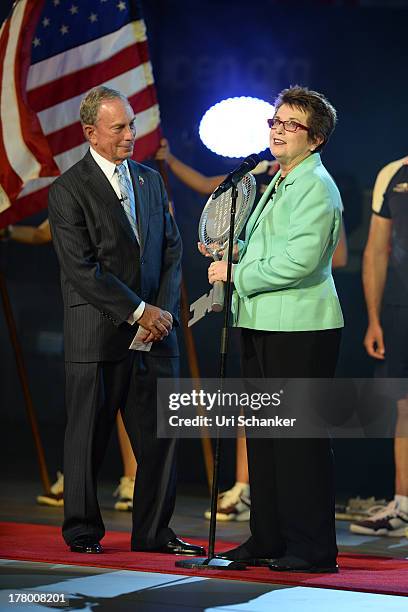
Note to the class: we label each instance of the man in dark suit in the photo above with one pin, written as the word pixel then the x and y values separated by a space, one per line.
pixel 119 250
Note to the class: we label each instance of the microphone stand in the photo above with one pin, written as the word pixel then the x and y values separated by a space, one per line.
pixel 211 562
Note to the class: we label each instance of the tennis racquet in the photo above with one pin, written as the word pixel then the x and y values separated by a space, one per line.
pixel 214 226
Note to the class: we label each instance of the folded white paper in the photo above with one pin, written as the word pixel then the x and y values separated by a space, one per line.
pixel 137 343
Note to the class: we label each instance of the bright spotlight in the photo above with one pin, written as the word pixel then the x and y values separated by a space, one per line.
pixel 236 127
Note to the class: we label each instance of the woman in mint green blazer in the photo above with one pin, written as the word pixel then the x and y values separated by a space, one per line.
pixel 286 304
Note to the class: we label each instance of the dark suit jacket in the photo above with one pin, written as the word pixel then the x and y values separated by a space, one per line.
pixel 104 273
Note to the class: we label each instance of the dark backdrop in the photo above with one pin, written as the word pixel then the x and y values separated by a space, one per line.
pixel 201 53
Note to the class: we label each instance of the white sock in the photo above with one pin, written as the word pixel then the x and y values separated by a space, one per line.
pixel 402 501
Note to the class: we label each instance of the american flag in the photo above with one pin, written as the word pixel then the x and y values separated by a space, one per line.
pixel 68 46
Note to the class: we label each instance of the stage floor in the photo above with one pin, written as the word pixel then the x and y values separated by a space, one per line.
pixel 103 589
pixel 90 588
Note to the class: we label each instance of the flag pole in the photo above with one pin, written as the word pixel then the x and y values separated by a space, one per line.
pixel 22 373
pixel 189 340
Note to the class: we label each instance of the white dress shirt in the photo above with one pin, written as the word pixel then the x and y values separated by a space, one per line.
pixel 109 170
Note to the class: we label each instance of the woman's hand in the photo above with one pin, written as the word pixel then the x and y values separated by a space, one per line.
pixel 216 247
pixel 217 272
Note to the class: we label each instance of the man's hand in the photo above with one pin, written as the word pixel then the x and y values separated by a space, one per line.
pixel 374 341
pixel 157 322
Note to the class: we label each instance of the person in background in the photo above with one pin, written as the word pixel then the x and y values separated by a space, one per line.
pixel 41 234
pixel 286 305
pixel 235 503
pixel 385 282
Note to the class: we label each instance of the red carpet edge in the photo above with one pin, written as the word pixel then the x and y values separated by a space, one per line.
pixel 43 543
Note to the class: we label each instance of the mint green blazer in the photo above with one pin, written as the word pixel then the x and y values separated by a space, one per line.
pixel 283 278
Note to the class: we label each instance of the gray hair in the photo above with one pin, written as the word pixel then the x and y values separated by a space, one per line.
pixel 90 105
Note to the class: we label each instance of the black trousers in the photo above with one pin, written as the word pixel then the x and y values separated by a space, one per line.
pixel 94 393
pixel 292 483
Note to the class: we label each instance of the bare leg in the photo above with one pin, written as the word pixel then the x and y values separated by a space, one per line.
pixel 401 449
pixel 241 469
pixel 392 520
pixel 128 457
pixel 234 504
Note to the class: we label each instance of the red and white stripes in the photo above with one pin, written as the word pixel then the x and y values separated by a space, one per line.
pixel 49 99
pixel 24 151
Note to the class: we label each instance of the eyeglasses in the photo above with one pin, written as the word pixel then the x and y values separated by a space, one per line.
pixel 288 126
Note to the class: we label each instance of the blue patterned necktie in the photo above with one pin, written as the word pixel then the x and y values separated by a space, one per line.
pixel 128 197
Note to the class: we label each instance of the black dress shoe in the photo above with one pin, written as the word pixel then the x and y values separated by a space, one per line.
pixel 179 547
pixel 86 544
pixel 294 564
pixel 242 553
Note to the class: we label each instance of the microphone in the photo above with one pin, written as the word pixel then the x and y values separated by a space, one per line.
pixel 236 175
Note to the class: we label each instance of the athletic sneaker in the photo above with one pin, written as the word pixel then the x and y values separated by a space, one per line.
pixel 55 496
pixel 234 504
pixel 125 494
pixel 358 508
pixel 391 521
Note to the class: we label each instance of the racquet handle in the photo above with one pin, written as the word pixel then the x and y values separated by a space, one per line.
pixel 217 303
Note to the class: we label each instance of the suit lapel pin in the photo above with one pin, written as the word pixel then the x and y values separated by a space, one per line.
pixel 141 180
